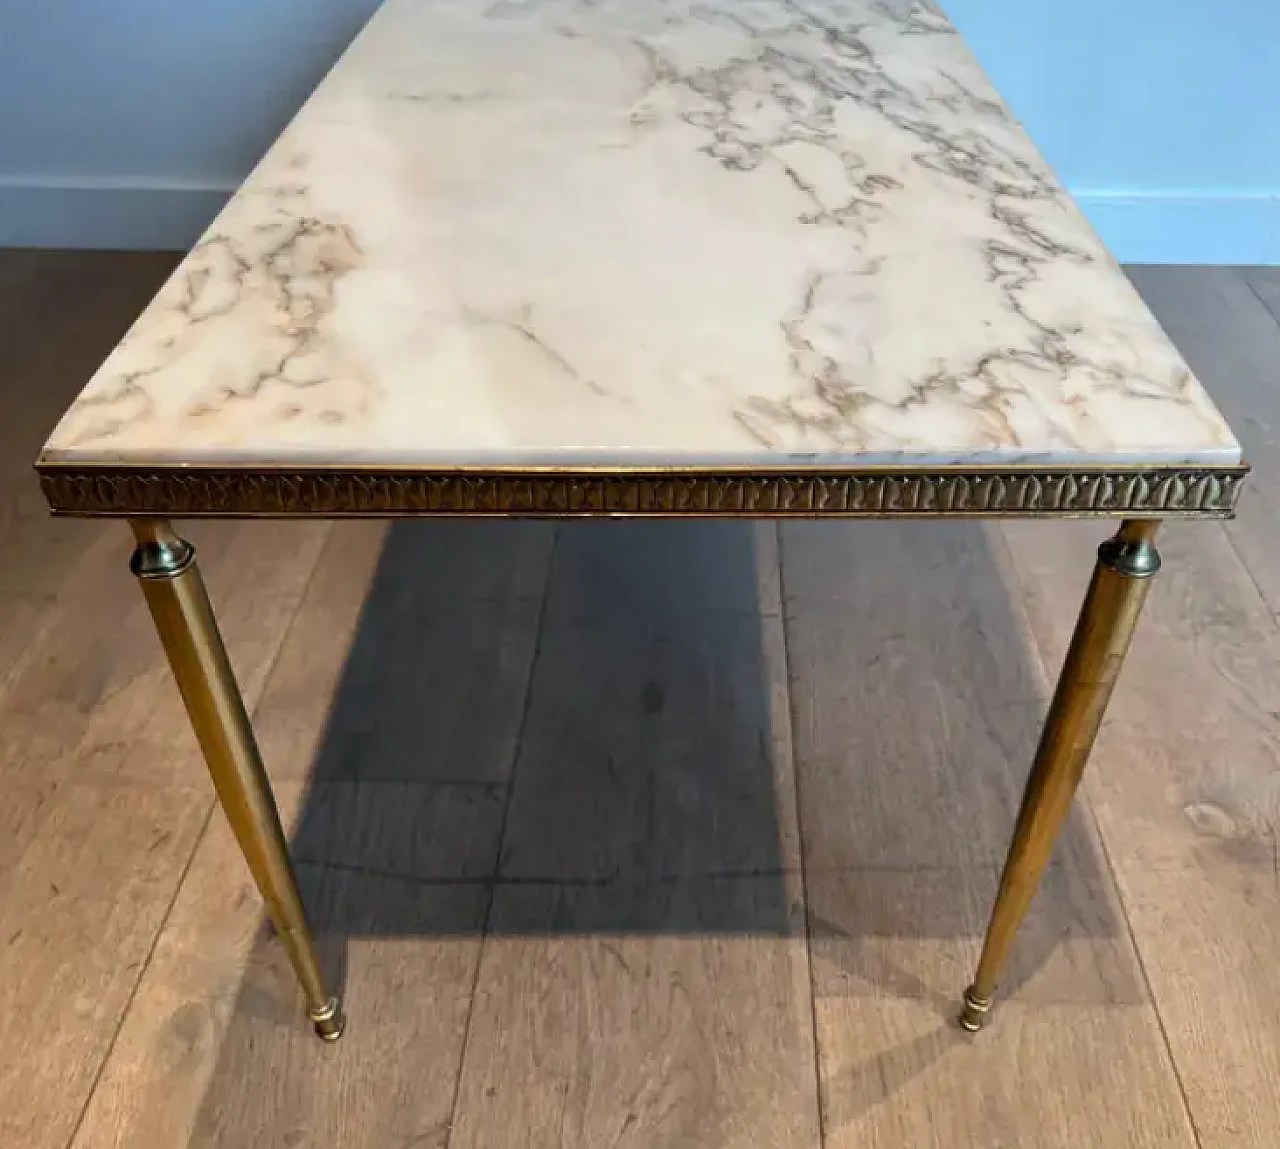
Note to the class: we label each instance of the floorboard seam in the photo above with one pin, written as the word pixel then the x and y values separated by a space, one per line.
pixel 1083 798
pixel 142 973
pixel 1146 979
pixel 352 778
pixel 1254 292
pixel 502 836
pixel 186 869
pixel 538 881
pixel 1244 563
pixel 803 875
pixel 51 602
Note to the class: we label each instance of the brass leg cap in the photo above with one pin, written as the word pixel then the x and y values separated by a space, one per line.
pixel 328 1019
pixel 974 1015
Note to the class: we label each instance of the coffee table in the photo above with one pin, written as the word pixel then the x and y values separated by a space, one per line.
pixel 646 258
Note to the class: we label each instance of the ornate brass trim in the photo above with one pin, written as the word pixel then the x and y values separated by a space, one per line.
pixel 870 492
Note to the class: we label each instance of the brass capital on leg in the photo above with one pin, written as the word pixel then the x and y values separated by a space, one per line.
pixel 175 593
pixel 1126 564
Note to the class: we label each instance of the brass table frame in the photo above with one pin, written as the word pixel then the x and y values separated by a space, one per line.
pixel 1141 496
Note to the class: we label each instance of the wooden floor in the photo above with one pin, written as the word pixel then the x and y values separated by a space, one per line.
pixel 636 835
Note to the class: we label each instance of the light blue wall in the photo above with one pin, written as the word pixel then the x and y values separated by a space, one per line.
pixel 124 123
pixel 1162 116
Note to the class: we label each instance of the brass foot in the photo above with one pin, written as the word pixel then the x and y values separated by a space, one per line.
pixel 328 1019
pixel 974 1015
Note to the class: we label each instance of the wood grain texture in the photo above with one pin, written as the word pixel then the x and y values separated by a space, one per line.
pixel 1209 936
pixel 664 570
pixel 106 792
pixel 379 861
pixel 584 1035
pixel 214 1051
pixel 81 907
pixel 917 699
pixel 394 875
pixel 97 680
pixel 657 743
pixel 22 619
pixel 95 296
pixel 164 1055
pixel 644 980
pixel 418 678
pixel 60 313
pixel 1219 319
pixel 1265 284
pixel 914 692
pixel 290 722
pixel 1172 791
pixel 1076 1058
pixel 653 753
pixel 1183 781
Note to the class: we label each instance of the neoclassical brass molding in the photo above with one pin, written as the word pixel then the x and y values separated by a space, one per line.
pixel 866 492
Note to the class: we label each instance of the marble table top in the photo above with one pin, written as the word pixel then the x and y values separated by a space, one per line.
pixel 648 232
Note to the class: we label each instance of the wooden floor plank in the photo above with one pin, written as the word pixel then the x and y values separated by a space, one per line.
pixel 422 677
pixel 664 569
pixel 1183 784
pixel 1075 1058
pixel 1265 282
pixel 60 315
pixel 395 866
pixel 1185 763
pixel 290 722
pixel 1232 342
pixel 81 908
pixel 93 715
pixel 657 742
pixel 92 297
pixel 104 791
pixel 97 678
pixel 1209 936
pixel 584 1036
pixel 23 618
pixel 915 723
pixel 913 691
pixel 644 978
pixel 653 753
pixel 391 1080
pixel 215 1050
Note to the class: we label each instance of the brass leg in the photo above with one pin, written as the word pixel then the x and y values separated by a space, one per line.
pixel 175 593
pixel 1103 632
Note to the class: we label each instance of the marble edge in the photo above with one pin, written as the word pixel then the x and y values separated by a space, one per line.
pixel 589 459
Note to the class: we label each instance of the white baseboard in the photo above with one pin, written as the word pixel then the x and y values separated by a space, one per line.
pixel 1212 227
pixel 1139 227
pixel 153 217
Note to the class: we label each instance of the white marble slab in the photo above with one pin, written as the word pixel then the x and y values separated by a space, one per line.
pixel 640 231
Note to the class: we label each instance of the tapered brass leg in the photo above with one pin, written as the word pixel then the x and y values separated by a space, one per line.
pixel 1126 563
pixel 175 593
